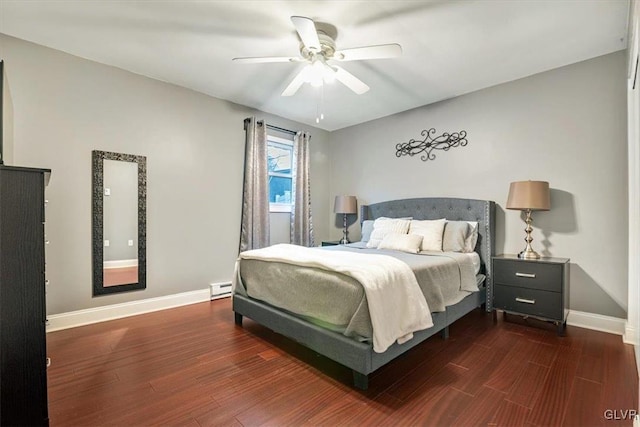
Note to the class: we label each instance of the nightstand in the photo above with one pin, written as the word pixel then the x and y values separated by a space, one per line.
pixel 537 288
pixel 331 243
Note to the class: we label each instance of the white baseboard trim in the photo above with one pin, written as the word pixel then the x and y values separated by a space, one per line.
pixel 636 350
pixel 597 322
pixel 88 316
pixel 630 335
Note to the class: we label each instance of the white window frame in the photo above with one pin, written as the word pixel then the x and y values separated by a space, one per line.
pixel 281 207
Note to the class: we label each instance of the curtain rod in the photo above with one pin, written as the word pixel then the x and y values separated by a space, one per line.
pixel 272 127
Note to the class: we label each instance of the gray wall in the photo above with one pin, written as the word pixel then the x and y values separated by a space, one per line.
pixel 566 126
pixel 65 106
pixel 7 119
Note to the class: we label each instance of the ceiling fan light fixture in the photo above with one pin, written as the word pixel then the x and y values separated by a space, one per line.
pixel 315 73
pixel 319 72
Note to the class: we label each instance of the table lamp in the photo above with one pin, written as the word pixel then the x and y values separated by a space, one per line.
pixel 345 205
pixel 529 196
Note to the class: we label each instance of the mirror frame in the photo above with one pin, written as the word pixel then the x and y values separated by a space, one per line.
pixel 98 158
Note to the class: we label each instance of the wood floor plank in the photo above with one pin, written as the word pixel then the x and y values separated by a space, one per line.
pixel 619 390
pixel 425 373
pixel 72 384
pixel 481 408
pixel 591 368
pixel 510 414
pixel 192 366
pixel 273 408
pixel 529 385
pixel 550 407
pixel 507 372
pixel 342 409
pixel 96 407
pixel 441 380
pixel 377 411
pixel 218 417
pixel 583 406
pixel 164 409
pixel 478 374
pixel 435 404
pixel 544 353
pixel 471 355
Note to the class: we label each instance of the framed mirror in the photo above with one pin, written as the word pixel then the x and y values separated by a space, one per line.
pixel 119 222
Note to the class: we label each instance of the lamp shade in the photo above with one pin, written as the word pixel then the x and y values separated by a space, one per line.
pixel 532 195
pixel 345 205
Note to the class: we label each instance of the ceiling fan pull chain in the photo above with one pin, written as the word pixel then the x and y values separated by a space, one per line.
pixel 318 105
pixel 322 101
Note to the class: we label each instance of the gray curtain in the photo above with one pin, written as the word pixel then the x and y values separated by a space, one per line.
pixel 254 232
pixel 301 221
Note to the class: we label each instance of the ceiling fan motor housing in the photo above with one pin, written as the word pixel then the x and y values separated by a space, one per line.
pixel 327 47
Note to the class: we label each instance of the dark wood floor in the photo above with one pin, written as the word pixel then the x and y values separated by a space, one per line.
pixel 191 366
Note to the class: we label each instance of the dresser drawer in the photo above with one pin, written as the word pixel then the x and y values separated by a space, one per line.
pixel 533 275
pixel 529 301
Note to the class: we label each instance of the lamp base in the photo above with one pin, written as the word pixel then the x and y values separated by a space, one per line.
pixel 529 253
pixel 344 239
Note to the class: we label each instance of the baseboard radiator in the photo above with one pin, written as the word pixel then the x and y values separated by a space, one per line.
pixel 220 290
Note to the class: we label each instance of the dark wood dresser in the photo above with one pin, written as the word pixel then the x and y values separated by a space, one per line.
pixel 23 353
pixel 538 288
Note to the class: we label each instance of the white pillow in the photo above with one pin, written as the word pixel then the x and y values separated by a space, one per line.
pixel 367 228
pixel 383 226
pixel 431 232
pixel 455 236
pixel 402 242
pixel 472 238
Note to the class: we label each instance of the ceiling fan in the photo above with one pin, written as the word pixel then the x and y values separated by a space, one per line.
pixel 317 49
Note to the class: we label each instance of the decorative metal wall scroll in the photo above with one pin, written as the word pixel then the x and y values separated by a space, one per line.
pixel 429 143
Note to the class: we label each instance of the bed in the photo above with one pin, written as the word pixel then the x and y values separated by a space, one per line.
pixel 360 356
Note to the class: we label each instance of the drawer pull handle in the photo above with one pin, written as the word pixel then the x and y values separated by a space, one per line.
pixel 526 301
pixel 529 275
pixel 48 362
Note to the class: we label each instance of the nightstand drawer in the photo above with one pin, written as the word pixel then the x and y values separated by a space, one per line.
pixel 533 275
pixel 529 301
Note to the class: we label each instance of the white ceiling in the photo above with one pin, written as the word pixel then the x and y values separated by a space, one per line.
pixel 450 47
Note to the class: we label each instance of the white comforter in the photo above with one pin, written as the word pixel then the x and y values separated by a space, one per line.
pixel 396 303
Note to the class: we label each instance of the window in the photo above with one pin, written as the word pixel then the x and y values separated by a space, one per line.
pixel 280 163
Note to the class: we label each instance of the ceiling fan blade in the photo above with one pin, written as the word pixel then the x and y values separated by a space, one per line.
pixel 369 52
pixel 261 59
pixel 297 81
pixel 306 29
pixel 350 81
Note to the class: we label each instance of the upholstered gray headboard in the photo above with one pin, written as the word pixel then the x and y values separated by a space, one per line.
pixel 483 211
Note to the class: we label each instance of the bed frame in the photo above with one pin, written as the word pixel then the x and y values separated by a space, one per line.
pixel 359 356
